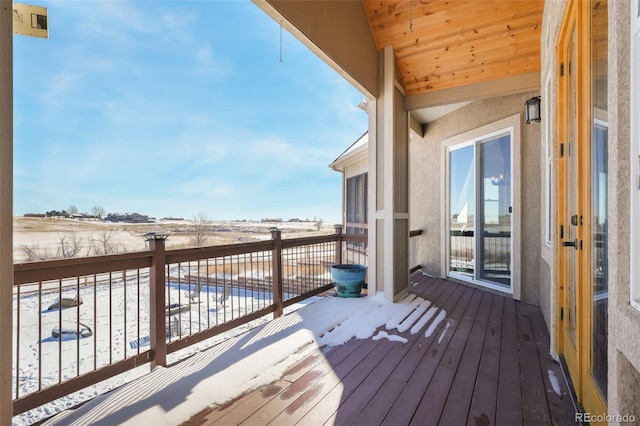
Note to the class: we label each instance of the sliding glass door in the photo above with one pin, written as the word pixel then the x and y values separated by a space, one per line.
pixel 480 208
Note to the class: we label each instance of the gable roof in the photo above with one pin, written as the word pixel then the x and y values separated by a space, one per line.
pixel 359 146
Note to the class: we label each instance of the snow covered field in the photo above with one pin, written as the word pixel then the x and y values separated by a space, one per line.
pixel 44 234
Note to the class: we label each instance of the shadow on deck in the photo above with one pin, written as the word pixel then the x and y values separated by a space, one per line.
pixel 483 360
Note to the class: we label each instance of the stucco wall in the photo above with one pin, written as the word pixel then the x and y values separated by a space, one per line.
pixel 624 320
pixel 427 211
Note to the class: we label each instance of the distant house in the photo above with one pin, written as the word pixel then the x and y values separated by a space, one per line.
pixel 127 218
pixel 83 216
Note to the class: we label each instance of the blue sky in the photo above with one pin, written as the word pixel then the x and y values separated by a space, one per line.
pixel 175 109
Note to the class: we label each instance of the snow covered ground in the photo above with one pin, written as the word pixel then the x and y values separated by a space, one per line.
pixel 170 396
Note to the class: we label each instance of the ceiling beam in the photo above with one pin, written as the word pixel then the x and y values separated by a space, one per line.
pixel 471 92
pixel 337 31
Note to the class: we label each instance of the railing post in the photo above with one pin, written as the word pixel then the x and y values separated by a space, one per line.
pixel 338 258
pixel 6 211
pixel 157 316
pixel 276 266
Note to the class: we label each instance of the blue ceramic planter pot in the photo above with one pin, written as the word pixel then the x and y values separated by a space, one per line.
pixel 349 279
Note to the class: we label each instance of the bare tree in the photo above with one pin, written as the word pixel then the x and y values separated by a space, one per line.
pixel 33 253
pixel 69 245
pixel 72 209
pixel 98 211
pixel 105 243
pixel 200 229
pixel 317 222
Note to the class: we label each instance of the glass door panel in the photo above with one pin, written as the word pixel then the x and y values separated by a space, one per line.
pixel 480 211
pixel 599 261
pixel 599 197
pixel 462 210
pixel 494 216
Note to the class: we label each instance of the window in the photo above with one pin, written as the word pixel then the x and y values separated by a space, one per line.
pixel 480 207
pixel 635 154
pixel 357 204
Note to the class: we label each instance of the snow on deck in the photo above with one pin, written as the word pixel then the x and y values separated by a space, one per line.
pixel 169 396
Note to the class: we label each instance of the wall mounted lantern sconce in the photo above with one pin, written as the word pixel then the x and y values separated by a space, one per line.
pixel 533 109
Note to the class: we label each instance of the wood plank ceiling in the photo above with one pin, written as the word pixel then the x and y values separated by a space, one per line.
pixel 441 44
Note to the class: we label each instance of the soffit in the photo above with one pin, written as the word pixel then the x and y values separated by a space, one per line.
pixel 442 44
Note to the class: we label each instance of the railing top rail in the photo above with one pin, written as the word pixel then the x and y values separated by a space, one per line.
pixel 354 238
pixel 31 272
pixel 302 241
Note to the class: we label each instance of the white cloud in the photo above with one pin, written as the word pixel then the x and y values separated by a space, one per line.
pixel 60 85
pixel 208 63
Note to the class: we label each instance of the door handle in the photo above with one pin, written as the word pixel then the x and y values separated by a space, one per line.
pixel 573 244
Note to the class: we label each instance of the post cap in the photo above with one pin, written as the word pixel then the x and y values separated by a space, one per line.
pixel 155 236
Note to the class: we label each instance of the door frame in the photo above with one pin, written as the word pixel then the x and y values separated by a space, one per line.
pixel 578 16
pixel 513 122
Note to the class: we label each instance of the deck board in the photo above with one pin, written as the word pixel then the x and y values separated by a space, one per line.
pixel 535 407
pixel 366 393
pixel 483 401
pixel 509 401
pixel 325 408
pixel 487 363
pixel 381 402
pixel 405 406
pixel 435 397
pixel 561 412
pixel 456 409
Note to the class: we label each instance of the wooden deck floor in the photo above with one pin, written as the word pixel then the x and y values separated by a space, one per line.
pixel 491 367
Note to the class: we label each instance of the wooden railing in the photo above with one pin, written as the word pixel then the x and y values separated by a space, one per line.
pixel 81 321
